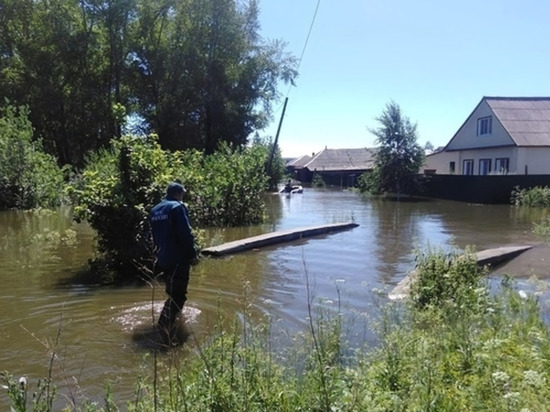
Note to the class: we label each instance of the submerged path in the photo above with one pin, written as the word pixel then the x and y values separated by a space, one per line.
pixel 490 257
pixel 275 238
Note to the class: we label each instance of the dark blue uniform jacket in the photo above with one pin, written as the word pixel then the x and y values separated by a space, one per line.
pixel 172 233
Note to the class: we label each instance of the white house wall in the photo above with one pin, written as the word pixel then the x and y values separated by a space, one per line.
pixel 467 138
pixel 439 163
pixel 491 153
pixel 534 160
pixel 522 160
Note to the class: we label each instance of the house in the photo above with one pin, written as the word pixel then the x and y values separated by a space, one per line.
pixel 336 166
pixel 294 166
pixel 503 135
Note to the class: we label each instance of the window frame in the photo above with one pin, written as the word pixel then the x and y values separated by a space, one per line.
pixel 485 166
pixel 485 126
pixel 465 169
pixel 500 169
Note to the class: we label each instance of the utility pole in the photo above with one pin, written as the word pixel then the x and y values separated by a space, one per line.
pixel 270 163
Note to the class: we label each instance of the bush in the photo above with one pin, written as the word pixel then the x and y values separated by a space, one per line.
pixel 369 182
pixel 227 187
pixel 532 197
pixel 317 180
pixel 29 177
pixel 444 279
pixel 122 183
pixel 276 169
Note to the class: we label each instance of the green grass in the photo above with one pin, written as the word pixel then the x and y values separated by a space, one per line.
pixel 470 351
pixel 533 197
pixel 542 228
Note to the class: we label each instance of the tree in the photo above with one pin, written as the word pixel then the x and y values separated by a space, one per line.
pixel 398 156
pixel 196 71
pixel 202 75
pixel 61 58
pixel 29 178
pixel 429 147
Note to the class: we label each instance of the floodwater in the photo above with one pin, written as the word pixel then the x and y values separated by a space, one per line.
pixel 97 333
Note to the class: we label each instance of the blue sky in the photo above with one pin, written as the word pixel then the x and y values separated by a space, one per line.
pixel 436 59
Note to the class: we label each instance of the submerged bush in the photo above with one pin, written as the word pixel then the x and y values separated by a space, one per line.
pixel 122 183
pixel 29 177
pixel 227 187
pixel 369 182
pixel 532 197
pixel 317 180
pixel 535 197
pixel 446 279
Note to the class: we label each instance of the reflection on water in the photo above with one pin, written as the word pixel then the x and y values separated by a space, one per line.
pixel 103 330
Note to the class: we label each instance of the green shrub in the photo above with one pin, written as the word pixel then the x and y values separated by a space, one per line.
pixel 29 177
pixel 274 169
pixel 122 183
pixel 369 182
pixel 228 187
pixel 112 194
pixel 532 197
pixel 463 359
pixel 317 180
pixel 444 279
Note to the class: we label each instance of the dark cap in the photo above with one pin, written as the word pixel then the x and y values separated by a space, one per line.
pixel 175 188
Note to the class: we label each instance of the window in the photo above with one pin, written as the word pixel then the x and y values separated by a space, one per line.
pixel 484 166
pixel 484 125
pixel 468 167
pixel 501 165
pixel 451 167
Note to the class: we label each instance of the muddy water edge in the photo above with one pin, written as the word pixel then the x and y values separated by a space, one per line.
pixel 94 331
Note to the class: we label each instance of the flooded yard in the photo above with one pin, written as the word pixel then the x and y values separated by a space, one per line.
pixel 42 301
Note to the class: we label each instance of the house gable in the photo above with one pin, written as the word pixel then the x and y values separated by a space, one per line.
pixel 503 135
pixel 299 162
pixel 482 129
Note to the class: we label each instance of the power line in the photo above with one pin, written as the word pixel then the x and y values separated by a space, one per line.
pixel 299 63
pixel 307 40
pixel 309 32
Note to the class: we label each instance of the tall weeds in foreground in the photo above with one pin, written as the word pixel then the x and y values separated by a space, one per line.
pixel 542 228
pixel 453 351
pixel 43 398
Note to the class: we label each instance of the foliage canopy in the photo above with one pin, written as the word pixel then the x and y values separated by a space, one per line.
pixel 398 156
pixel 29 177
pixel 194 72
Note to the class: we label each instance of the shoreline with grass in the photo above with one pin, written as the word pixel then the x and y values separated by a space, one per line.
pixel 454 345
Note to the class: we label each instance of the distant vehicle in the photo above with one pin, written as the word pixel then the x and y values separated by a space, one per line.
pixel 291 189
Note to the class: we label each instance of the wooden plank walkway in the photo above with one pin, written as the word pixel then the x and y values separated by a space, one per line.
pixel 490 257
pixel 275 238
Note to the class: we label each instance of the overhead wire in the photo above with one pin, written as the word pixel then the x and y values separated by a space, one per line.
pixel 307 40
pixel 288 92
pixel 283 105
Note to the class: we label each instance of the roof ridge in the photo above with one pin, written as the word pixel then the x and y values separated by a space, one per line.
pixel 516 98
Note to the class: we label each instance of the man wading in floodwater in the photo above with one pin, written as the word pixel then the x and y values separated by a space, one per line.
pixel 175 251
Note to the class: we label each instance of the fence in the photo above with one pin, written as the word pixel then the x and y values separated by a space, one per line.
pixel 491 189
